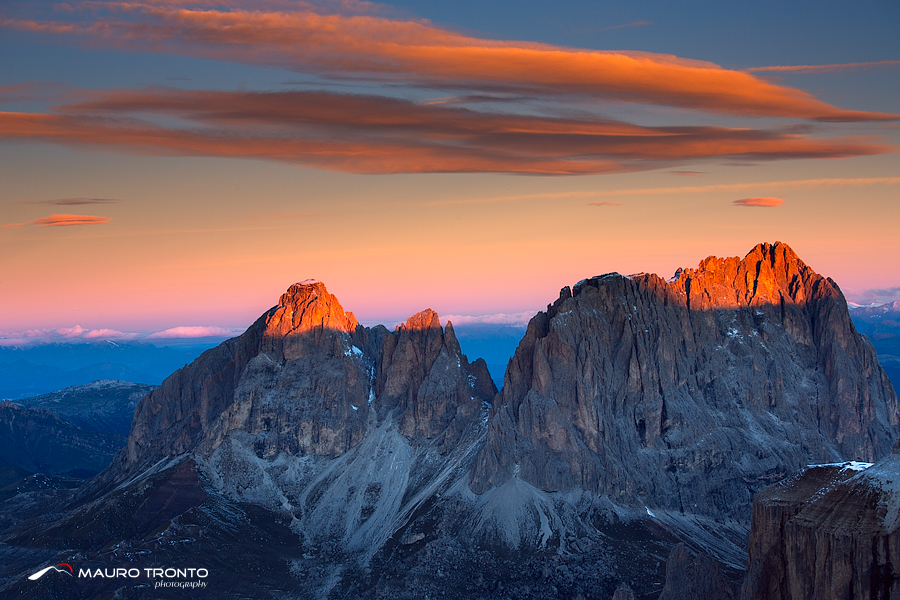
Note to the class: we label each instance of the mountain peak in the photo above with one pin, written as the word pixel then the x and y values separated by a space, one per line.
pixel 426 319
pixel 307 305
pixel 302 289
pixel 768 274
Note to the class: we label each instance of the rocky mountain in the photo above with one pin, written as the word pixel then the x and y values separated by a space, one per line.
pixel 312 457
pixel 37 441
pixel 687 396
pixel 828 532
pixel 104 405
pixel 307 379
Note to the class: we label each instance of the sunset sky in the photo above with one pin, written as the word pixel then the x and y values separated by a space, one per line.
pixel 178 164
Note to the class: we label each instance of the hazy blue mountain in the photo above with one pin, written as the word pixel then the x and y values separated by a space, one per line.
pixel 881 324
pixel 104 405
pixel 38 441
pixel 42 368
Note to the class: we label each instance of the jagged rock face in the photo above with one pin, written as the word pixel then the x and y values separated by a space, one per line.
pixel 828 532
pixel 692 394
pixel 423 373
pixel 302 379
pixel 691 576
pixel 635 413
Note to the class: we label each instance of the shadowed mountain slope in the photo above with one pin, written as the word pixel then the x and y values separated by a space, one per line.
pixel 689 395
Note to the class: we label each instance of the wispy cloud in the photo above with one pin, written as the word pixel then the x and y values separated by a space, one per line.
pixel 633 24
pixel 62 334
pixel 288 216
pixel 78 333
pixel 63 220
pixel 191 332
pixel 604 203
pixel 108 334
pixel 352 41
pixel 875 296
pixel 33 90
pixel 759 202
pixel 514 319
pixel 375 134
pixel 826 68
pixel 695 189
pixel 69 201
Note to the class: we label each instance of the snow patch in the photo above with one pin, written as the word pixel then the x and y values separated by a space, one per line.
pixel 850 465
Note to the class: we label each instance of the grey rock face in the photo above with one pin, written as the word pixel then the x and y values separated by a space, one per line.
pixel 635 413
pixel 830 532
pixel 693 576
pixel 302 380
pixel 689 395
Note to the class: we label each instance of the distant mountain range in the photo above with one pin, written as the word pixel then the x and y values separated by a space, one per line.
pixel 312 457
pixel 38 441
pixel 881 324
pixel 105 405
pixel 42 368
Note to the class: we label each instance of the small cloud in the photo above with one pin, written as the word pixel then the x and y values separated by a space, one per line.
pixel 517 319
pixel 62 334
pixel 604 203
pixel 287 216
pixel 79 334
pixel 108 334
pixel 875 296
pixel 833 68
pixel 191 332
pixel 65 221
pixel 761 202
pixel 62 220
pixel 70 201
pixel 70 332
pixel 688 173
pixel 632 24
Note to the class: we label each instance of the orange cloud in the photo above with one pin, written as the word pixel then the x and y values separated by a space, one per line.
pixel 369 134
pixel 761 202
pixel 372 47
pixel 64 221
pixel 826 68
pixel 604 204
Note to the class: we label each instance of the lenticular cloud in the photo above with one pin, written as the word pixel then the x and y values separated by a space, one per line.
pixel 760 202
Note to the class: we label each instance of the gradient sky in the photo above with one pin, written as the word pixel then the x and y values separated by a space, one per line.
pixel 172 163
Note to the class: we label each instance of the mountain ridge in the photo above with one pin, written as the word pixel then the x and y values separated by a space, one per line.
pixel 636 413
